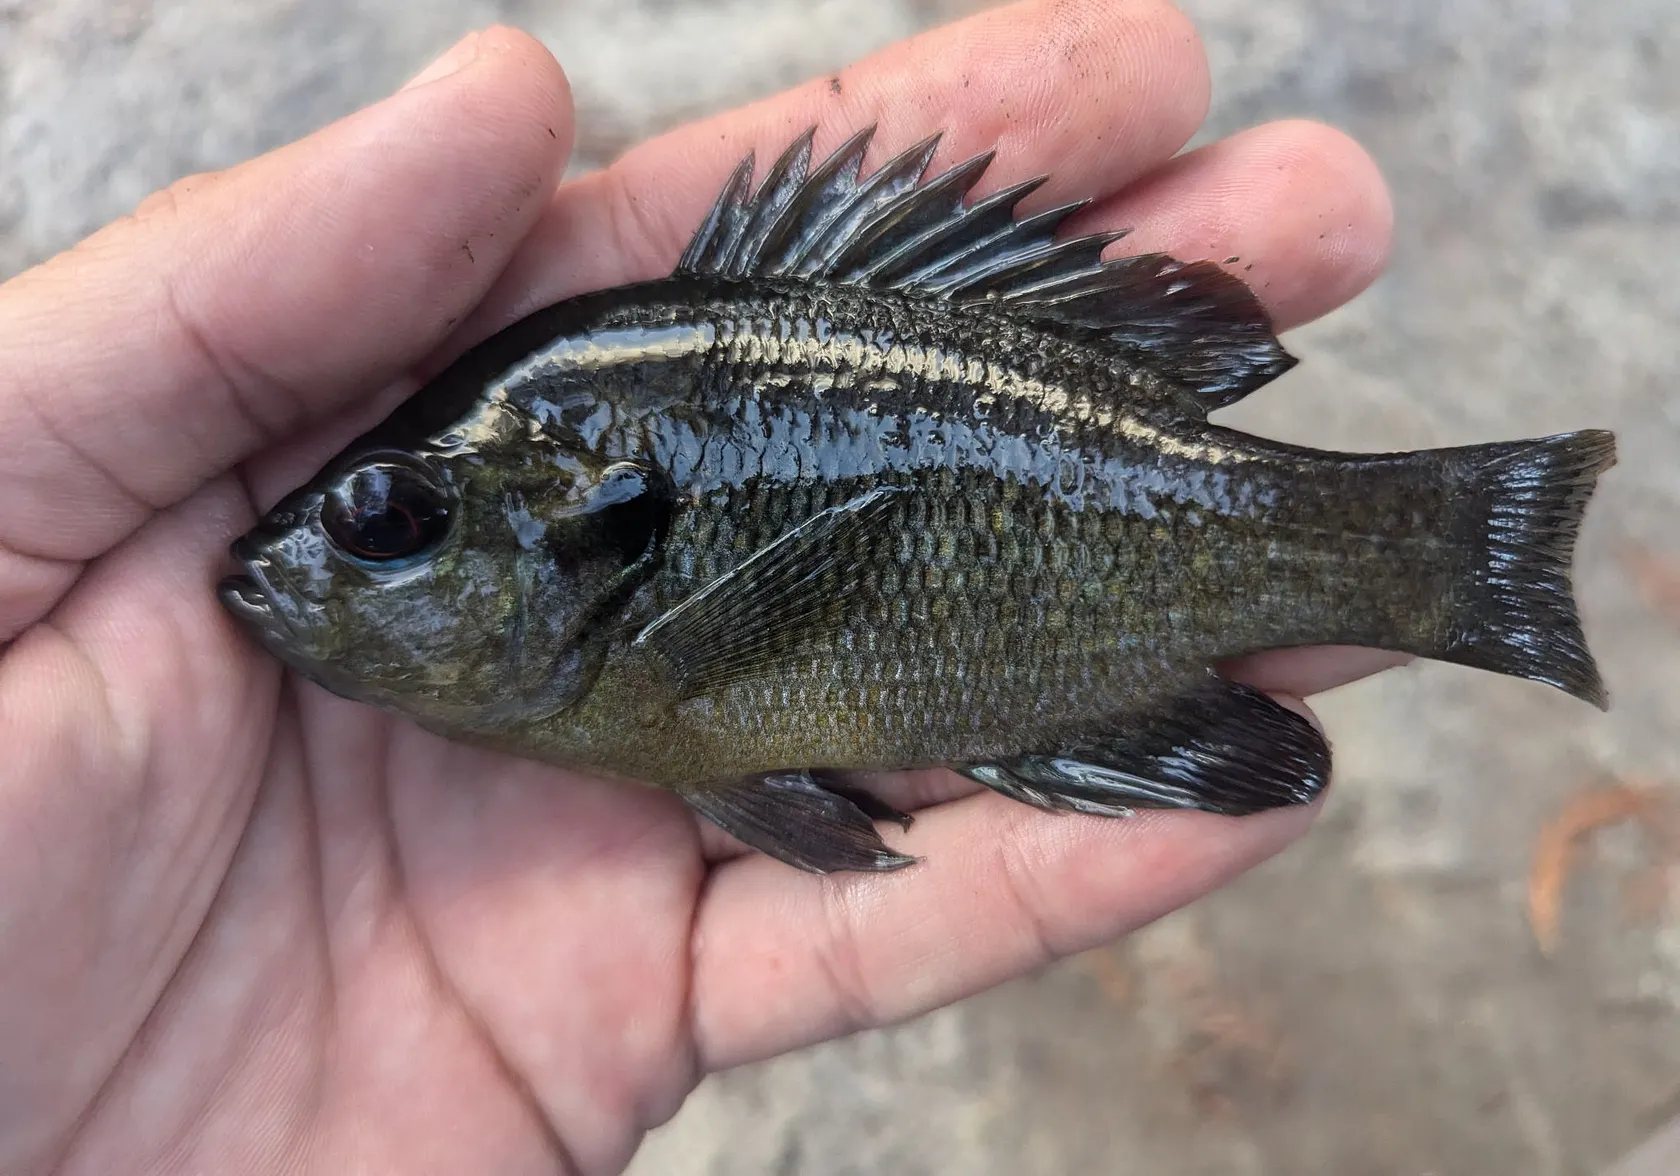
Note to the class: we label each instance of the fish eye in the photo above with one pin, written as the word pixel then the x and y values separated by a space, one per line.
pixel 388 508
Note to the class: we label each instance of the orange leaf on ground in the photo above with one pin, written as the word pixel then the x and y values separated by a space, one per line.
pixel 1559 842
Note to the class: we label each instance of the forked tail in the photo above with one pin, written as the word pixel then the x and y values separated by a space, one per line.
pixel 1514 611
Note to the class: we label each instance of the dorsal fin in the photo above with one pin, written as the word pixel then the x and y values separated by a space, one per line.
pixel 896 230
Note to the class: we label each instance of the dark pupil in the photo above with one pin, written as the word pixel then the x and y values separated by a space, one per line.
pixel 383 512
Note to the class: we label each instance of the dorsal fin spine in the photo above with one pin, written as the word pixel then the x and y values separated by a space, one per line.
pixel 703 248
pixel 900 230
pixel 773 202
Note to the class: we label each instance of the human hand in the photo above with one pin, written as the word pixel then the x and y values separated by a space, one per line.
pixel 246 926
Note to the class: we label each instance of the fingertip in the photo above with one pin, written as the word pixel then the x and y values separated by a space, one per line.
pixel 448 62
pixel 1179 41
pixel 507 48
pixel 515 71
pixel 420 200
pixel 1296 208
pixel 1097 90
pixel 1322 189
pixel 1358 231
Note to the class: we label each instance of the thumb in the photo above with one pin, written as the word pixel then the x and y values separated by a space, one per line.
pixel 234 308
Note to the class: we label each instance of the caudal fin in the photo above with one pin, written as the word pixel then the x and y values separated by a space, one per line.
pixel 1515 611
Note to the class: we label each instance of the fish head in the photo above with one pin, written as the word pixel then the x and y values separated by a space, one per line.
pixel 472 580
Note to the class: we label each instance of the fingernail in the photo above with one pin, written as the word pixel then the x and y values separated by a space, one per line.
pixel 458 55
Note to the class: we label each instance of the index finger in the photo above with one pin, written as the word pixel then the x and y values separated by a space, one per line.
pixel 1092 94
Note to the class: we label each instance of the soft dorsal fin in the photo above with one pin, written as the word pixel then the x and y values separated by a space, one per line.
pixel 896 230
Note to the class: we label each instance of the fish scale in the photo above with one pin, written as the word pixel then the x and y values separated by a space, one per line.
pixel 879 479
pixel 1060 576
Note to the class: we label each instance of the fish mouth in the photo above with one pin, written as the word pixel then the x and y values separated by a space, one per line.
pixel 251 595
pixel 270 614
pixel 242 596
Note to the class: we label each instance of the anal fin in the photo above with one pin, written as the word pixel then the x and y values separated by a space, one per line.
pixel 876 809
pixel 1221 748
pixel 796 820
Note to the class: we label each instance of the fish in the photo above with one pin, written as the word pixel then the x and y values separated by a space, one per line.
pixel 883 477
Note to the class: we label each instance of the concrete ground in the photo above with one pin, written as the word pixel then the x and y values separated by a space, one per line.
pixel 1374 1000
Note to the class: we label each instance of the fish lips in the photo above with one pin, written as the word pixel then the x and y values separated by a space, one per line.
pixel 245 599
pixel 258 598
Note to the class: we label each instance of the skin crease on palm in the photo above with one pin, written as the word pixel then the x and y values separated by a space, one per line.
pixel 246 926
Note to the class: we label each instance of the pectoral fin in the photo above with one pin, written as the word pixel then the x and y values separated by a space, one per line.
pixel 770 605
pixel 1223 748
pixel 791 817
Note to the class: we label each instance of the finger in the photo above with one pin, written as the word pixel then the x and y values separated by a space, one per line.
pixel 1299 205
pixel 1305 672
pixel 235 307
pixel 783 959
pixel 1095 94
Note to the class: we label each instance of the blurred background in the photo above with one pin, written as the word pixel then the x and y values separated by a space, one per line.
pixel 1472 965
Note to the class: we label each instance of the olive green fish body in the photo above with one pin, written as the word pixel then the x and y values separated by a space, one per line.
pixel 1072 542
pixel 879 480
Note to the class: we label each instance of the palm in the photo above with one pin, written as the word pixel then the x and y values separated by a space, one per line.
pixel 244 924
pixel 428 928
